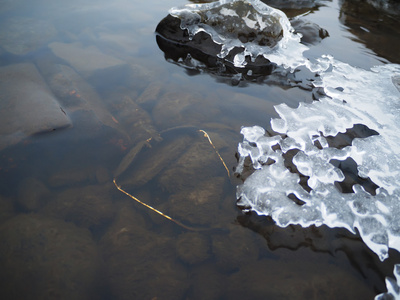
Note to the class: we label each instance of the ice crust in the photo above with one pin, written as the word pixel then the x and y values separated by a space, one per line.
pixel 354 96
pixel 253 26
pixel 393 286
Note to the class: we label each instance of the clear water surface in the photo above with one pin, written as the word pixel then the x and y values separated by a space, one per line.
pixel 129 114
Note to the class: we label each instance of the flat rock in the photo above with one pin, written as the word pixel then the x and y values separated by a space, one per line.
pixel 20 35
pixel 86 60
pixel 27 106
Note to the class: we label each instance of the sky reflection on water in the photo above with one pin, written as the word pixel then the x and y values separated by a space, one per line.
pixel 62 222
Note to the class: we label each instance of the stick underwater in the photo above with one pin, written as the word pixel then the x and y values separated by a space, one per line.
pixel 156 210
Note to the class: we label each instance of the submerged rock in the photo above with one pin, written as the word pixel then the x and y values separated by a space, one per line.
pixel 6 209
pixel 200 158
pixel 67 175
pixel 135 120
pixel 193 247
pixel 79 99
pixel 199 205
pixel 150 94
pixel 27 106
pixel 277 279
pixel 32 194
pixel 234 250
pixel 89 207
pixel 179 108
pixel 139 263
pixel 207 283
pixel 86 60
pixel 43 258
pixel 20 35
pixel 148 163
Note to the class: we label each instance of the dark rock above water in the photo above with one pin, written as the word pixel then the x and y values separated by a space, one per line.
pixel 224 34
pixel 311 33
pixel 234 38
pixel 201 52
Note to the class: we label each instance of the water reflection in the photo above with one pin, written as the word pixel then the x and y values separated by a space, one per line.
pixel 375 26
pixel 95 86
pixel 333 241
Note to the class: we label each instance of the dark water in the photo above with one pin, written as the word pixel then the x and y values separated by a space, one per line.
pixel 67 232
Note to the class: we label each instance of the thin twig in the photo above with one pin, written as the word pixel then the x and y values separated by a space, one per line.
pixel 216 151
pixel 156 210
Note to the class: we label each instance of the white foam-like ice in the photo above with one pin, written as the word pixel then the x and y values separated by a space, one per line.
pixel 355 96
pixel 393 286
pixel 225 20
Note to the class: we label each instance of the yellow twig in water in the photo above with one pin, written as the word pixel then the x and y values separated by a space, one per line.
pixel 161 213
pixel 155 210
pixel 216 151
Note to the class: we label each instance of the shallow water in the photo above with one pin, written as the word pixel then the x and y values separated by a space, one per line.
pixel 68 232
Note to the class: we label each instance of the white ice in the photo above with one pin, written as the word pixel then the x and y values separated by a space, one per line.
pixel 364 97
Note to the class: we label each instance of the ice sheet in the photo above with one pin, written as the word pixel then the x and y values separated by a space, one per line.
pixel 354 96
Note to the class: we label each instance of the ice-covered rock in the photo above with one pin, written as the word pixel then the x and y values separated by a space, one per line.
pixel 231 36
